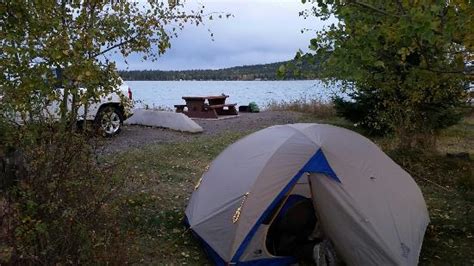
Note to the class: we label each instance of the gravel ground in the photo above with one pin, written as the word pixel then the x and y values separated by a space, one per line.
pixel 139 136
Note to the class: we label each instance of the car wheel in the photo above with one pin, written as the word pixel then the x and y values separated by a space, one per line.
pixel 109 121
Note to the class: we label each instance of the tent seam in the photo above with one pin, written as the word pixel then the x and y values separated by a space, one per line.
pixel 269 159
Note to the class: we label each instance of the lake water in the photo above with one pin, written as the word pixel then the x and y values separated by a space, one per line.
pixel 169 93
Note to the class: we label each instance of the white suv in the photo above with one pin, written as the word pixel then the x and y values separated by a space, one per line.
pixel 107 114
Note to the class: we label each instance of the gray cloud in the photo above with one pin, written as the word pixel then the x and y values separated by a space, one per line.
pixel 261 31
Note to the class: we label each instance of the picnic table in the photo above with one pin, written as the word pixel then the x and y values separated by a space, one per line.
pixel 206 106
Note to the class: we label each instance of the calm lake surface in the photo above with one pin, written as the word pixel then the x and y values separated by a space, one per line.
pixel 169 93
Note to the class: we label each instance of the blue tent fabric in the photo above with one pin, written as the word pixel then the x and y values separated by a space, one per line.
pixel 332 166
pixel 317 164
pixel 264 216
pixel 218 261
pixel 269 261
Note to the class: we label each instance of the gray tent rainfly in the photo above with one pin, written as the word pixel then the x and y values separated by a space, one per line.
pixel 368 206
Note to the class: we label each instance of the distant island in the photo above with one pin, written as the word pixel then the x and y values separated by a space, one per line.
pixel 252 72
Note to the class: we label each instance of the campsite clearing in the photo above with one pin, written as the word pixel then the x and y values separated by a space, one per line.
pixel 162 175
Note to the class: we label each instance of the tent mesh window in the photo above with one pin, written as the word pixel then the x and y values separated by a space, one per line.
pixel 289 233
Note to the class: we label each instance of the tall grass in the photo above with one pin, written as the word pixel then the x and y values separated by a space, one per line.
pixel 317 107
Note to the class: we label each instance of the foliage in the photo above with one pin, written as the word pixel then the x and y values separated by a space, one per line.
pixel 54 194
pixel 263 72
pixel 366 107
pixel 363 110
pixel 77 37
pixel 302 66
pixel 55 205
pixel 410 54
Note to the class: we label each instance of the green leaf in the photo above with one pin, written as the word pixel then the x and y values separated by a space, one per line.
pixel 379 64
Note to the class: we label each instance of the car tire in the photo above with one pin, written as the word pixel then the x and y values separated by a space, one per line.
pixel 109 120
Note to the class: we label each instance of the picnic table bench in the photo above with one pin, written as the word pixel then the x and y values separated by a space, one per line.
pixel 206 106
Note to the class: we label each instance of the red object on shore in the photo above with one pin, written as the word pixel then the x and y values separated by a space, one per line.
pixel 130 93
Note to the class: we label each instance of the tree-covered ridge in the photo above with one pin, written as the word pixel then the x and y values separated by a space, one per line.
pixel 252 72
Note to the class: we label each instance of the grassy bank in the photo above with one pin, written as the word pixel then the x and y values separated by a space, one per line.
pixel 161 178
pixel 315 108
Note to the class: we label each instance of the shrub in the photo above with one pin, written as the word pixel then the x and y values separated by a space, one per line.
pixel 403 53
pixel 57 210
pixel 363 111
pixel 367 110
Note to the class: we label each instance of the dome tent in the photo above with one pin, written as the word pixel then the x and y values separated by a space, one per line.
pixel 370 208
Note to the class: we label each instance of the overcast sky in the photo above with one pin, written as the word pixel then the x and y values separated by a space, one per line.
pixel 261 31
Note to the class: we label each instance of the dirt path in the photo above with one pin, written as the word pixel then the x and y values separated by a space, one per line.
pixel 138 136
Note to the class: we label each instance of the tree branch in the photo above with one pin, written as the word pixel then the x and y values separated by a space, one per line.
pixel 367 6
pixel 400 7
pixel 442 71
pixel 113 47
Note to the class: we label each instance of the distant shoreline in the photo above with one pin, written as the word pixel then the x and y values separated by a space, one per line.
pixel 264 72
pixel 194 80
